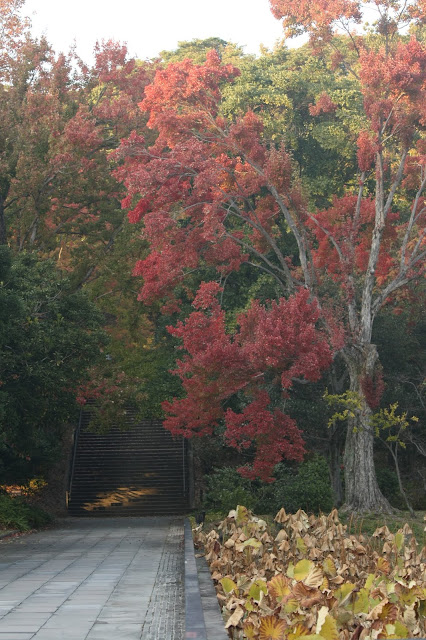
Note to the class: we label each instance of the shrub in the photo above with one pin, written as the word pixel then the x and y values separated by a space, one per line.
pixel 225 489
pixel 15 513
pixel 308 488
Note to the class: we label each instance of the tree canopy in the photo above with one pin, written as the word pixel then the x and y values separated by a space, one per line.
pixel 217 192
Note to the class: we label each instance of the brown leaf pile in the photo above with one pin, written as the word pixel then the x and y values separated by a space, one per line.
pixel 314 581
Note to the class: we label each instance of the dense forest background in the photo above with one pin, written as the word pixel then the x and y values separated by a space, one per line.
pixel 73 324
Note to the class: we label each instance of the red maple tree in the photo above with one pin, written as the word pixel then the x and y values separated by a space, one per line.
pixel 216 194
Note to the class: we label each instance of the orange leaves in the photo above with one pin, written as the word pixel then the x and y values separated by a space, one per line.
pixel 315 16
pixel 344 596
pixel 187 91
pixel 271 628
pixel 393 84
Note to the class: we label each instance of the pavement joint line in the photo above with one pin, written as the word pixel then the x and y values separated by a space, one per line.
pixel 88 576
pixel 95 543
pixel 78 538
pixel 117 584
pixel 37 566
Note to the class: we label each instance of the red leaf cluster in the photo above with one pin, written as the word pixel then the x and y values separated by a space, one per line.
pixel 323 104
pixel 313 15
pixel 280 340
pixel 352 235
pixel 393 84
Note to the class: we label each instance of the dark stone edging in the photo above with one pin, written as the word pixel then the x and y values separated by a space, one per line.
pixel 203 619
pixel 195 627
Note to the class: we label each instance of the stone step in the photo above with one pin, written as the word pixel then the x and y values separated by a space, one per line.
pixel 124 462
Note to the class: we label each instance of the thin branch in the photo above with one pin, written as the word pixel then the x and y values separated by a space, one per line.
pixel 395 183
pixel 268 271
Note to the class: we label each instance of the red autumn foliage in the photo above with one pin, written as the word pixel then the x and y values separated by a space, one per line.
pixel 280 340
pixel 323 104
pixel 348 250
pixel 393 84
pixel 216 194
pixel 367 149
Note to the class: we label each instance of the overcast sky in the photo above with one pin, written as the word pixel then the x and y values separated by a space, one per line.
pixel 149 26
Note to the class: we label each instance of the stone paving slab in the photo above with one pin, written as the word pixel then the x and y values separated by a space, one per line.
pixel 94 579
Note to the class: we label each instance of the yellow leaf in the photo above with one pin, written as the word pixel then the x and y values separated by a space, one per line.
pixel 241 515
pixel 249 630
pixel 369 581
pixel 401 630
pixel 361 604
pixel 298 631
pixel 329 629
pixel 377 610
pixel 228 585
pixel 278 587
pixel 272 628
pixel 399 540
pixel 301 546
pixel 341 593
pixel 235 618
pixel 291 605
pixel 329 567
pixel 324 584
pixel 302 568
pixel 256 588
pixel 252 542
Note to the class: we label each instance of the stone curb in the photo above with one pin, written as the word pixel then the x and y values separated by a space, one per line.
pixel 203 619
pixel 215 625
pixel 195 627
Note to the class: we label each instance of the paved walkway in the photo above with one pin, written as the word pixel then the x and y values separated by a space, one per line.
pixel 94 579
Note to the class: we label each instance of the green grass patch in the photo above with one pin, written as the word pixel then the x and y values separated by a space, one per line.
pixel 367 524
pixel 15 513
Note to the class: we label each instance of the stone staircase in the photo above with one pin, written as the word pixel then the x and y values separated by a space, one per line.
pixel 137 471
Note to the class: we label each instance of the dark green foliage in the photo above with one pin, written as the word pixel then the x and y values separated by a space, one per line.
pixel 225 489
pixel 49 336
pixel 308 488
pixel 15 513
pixel 388 483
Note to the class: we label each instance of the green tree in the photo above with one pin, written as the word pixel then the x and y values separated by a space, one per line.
pixel 49 336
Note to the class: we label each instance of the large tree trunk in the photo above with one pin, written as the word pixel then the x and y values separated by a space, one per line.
pixel 362 493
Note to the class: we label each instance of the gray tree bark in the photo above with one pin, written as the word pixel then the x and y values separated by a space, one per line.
pixel 362 493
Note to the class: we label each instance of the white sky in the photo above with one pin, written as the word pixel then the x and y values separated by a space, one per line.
pixel 150 26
